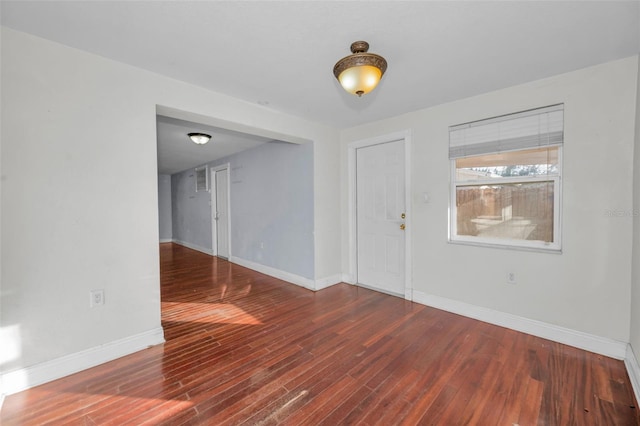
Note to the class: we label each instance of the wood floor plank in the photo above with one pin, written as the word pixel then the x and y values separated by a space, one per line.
pixel 388 405
pixel 247 349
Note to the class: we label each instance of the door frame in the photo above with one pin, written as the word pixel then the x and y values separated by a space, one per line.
pixel 214 207
pixel 352 148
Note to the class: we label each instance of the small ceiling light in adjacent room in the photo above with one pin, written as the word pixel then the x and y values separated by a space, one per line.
pixel 199 138
pixel 360 72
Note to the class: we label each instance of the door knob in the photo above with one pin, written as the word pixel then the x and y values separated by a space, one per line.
pixel 403 215
pixel 402 226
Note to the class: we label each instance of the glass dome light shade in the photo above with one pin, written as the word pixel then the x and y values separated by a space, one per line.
pixel 199 138
pixel 360 80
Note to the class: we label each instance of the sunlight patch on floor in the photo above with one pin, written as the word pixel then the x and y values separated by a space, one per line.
pixel 221 313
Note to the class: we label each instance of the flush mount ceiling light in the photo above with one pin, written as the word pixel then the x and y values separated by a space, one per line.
pixel 360 72
pixel 199 138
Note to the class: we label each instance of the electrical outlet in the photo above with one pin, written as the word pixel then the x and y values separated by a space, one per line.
pixel 97 298
pixel 511 277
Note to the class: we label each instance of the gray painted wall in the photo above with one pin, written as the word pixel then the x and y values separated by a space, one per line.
pixel 164 207
pixel 271 207
pixel 191 221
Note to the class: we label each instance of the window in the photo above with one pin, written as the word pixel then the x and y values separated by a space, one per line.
pixel 505 175
pixel 202 183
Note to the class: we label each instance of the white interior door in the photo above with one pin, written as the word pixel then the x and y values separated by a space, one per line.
pixel 221 212
pixel 380 204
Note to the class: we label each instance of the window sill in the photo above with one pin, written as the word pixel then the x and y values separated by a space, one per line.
pixel 550 250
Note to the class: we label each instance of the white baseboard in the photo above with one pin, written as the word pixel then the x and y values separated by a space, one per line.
pixel 28 377
pixel 601 345
pixel 307 283
pixel 194 247
pixel 166 240
pixel 408 293
pixel 348 278
pixel 328 281
pixel 276 273
pixel 633 369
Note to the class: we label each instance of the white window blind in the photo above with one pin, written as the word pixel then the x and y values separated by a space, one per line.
pixel 523 130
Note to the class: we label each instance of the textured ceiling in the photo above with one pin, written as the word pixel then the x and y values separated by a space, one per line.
pixel 281 54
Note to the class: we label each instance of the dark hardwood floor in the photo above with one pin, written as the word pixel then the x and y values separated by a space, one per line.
pixel 244 348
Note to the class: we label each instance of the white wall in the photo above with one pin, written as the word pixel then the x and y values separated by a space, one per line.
pixel 635 277
pixel 80 200
pixel 4 341
pixel 585 288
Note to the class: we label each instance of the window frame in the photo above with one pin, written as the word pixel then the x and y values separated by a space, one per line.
pixel 555 246
pixel 200 169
